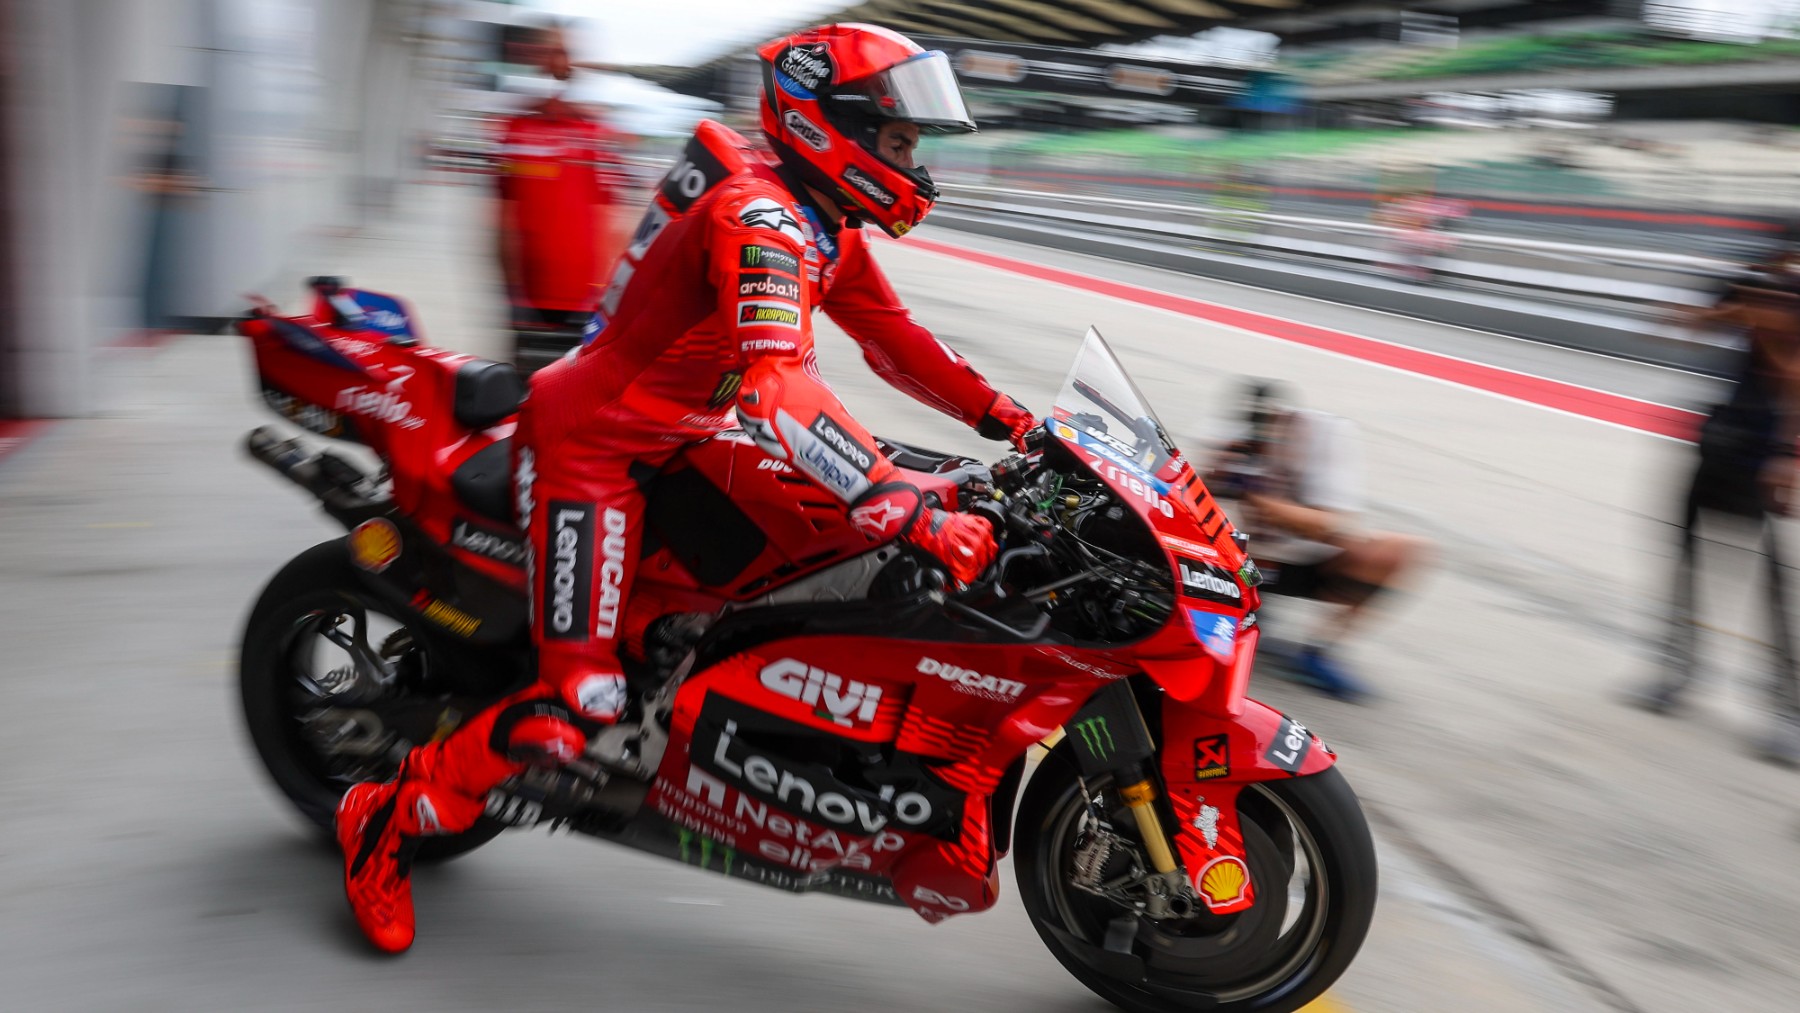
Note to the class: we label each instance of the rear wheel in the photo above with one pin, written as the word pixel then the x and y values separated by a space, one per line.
pixel 319 721
pixel 1312 864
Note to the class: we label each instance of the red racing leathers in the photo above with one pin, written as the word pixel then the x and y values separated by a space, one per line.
pixel 707 317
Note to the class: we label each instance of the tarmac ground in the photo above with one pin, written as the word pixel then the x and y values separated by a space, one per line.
pixel 1542 847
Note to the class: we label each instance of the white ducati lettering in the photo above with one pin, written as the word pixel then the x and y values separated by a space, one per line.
pixel 612 573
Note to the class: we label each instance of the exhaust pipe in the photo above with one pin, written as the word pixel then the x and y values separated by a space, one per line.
pixel 331 478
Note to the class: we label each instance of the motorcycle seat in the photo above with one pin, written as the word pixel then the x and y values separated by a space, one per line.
pixel 484 482
pixel 486 393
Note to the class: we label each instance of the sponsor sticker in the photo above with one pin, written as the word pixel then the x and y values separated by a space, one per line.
pixel 769 345
pixel 1212 757
pixel 767 258
pixel 1206 820
pixel 770 313
pixel 1176 543
pixel 808 132
pixel 374 544
pixel 1216 633
pixel 446 615
pixel 1223 881
pixel 832 432
pixel 762 283
pixel 1292 743
pixel 808 66
pixel 967 680
pixel 841 701
pixel 763 213
pixel 725 389
pixel 1207 582
pixel 569 572
pixel 868 187
pixel 490 542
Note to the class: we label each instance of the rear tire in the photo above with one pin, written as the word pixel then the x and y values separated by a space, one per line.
pixel 278 643
pixel 1274 958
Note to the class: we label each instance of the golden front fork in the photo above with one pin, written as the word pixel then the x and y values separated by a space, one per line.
pixel 1140 797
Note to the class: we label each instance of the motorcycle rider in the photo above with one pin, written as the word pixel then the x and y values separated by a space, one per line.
pixel 707 316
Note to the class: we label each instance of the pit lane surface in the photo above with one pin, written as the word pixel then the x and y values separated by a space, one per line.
pixel 1542 847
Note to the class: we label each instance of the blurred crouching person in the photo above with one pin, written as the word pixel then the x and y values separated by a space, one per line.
pixel 1745 470
pixel 556 209
pixel 1297 475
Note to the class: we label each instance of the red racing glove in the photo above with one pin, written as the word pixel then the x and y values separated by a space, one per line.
pixel 1006 420
pixel 964 543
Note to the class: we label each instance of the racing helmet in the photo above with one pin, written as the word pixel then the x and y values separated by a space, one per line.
pixel 827 91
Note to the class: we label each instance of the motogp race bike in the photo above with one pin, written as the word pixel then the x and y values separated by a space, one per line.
pixel 817 714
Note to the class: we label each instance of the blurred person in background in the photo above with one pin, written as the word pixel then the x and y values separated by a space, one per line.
pixel 556 207
pixel 163 174
pixel 1297 473
pixel 1745 470
pixel 707 321
pixel 1420 221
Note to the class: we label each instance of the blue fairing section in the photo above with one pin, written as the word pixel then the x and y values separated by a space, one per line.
pixel 383 313
pixel 303 340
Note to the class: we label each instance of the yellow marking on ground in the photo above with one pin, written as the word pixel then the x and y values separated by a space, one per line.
pixel 121 524
pixel 1325 1004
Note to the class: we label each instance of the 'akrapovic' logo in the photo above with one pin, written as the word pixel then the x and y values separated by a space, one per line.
pixel 1203 580
pixel 827 428
pixel 768 313
pixel 568 579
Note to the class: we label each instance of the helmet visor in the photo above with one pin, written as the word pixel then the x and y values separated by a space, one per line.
pixel 921 90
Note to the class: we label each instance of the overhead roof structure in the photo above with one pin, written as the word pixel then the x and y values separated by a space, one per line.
pixel 1085 24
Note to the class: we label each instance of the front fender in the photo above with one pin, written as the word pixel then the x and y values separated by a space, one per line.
pixel 1206 760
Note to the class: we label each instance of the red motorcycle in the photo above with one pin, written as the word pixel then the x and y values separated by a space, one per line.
pixel 816 714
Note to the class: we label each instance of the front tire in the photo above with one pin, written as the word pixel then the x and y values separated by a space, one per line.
pixel 1314 870
pixel 315 744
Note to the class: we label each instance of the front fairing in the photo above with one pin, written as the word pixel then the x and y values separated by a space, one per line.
pixel 1104 421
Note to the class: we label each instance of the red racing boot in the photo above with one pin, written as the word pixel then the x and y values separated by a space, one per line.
pixel 378 863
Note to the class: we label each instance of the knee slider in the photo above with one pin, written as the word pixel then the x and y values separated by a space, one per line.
pixel 540 733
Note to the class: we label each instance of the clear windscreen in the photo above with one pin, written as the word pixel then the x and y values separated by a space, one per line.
pixel 1107 412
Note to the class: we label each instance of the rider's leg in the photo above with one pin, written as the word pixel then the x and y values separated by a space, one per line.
pixel 585 513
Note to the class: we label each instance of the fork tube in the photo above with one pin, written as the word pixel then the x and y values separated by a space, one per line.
pixel 1140 797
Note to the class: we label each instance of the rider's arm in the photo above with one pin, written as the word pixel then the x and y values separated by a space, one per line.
pixel 758 266
pixel 904 353
pixel 757 254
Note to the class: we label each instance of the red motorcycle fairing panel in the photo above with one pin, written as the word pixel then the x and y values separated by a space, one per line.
pixel 1206 760
pixel 398 398
pixel 783 756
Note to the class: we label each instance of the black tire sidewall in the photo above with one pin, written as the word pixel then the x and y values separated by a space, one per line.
pixel 319 578
pixel 1324 802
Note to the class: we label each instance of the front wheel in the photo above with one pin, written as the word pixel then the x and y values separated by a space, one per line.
pixel 1311 861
